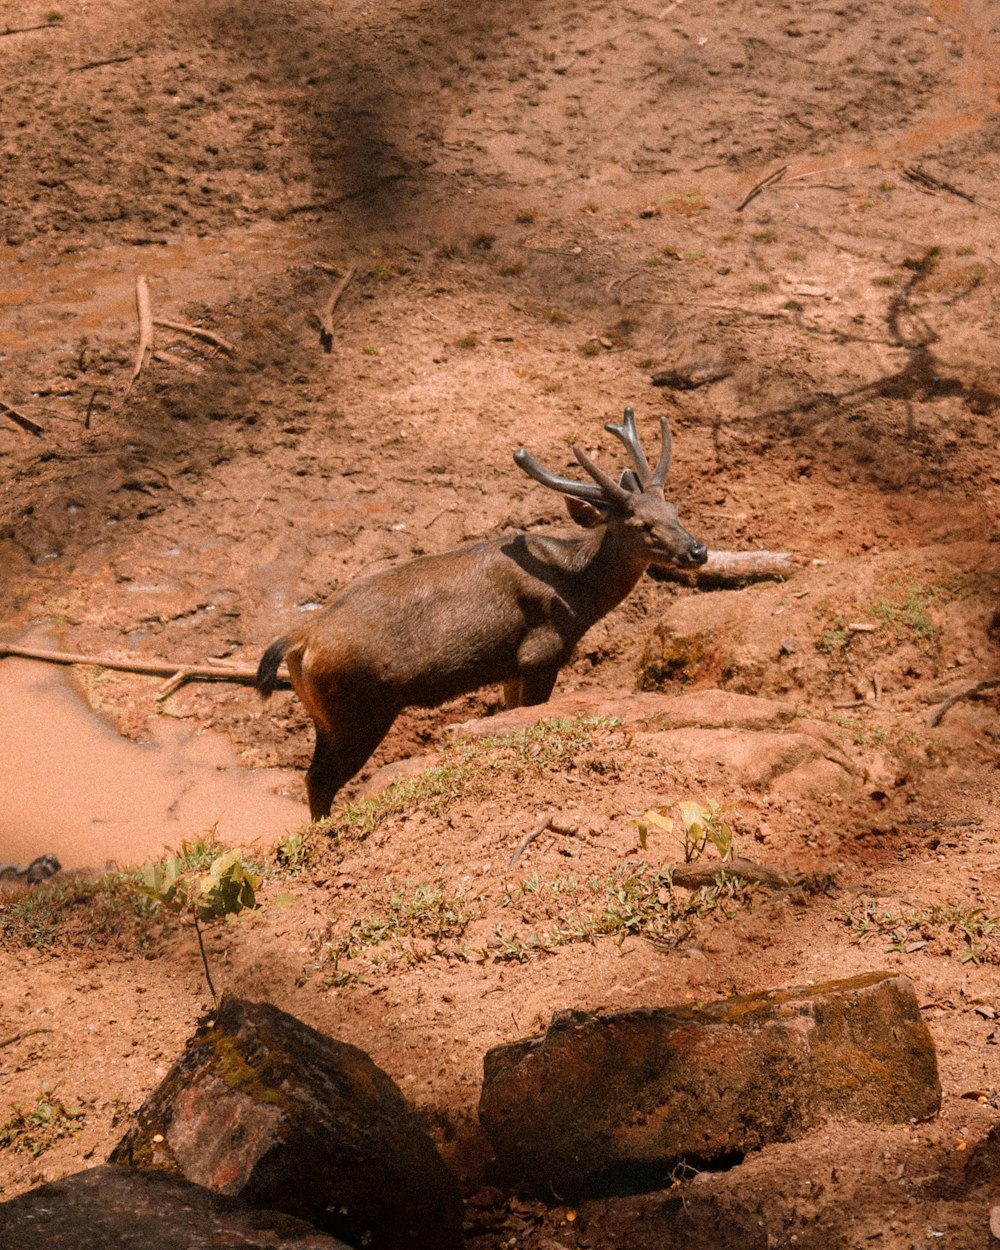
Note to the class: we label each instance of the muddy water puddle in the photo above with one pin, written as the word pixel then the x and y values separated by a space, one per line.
pixel 73 787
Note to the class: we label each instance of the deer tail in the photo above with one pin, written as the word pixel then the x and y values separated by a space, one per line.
pixel 267 670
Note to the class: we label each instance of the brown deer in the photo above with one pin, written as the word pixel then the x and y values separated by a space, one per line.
pixel 507 610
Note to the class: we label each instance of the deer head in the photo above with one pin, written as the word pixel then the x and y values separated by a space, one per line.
pixel 635 505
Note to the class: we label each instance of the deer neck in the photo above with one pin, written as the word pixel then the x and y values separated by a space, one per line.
pixel 607 567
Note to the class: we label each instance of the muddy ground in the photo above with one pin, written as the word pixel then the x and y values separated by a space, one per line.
pixel 542 209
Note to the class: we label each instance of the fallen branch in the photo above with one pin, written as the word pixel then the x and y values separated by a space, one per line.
pixel 151 668
pixel 197 332
pixel 145 348
pixel 325 314
pixel 108 60
pixel 529 837
pixel 760 186
pixel 178 362
pixel 923 179
pixel 20 419
pixel 977 687
pixel 17 1037
pixel 20 30
pixel 694 876
pixel 548 823
pixel 728 567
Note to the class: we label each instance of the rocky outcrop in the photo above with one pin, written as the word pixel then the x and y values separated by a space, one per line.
pixel 612 1103
pixel 111 1206
pixel 264 1108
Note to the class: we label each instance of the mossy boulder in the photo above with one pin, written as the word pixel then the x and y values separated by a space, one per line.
pixel 605 1104
pixel 262 1107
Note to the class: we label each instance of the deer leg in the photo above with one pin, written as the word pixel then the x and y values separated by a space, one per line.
pixel 337 758
pixel 512 693
pixel 536 685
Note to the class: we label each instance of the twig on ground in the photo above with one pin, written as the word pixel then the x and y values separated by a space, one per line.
pixel 760 186
pixel 17 1037
pixel 151 668
pixel 922 178
pixel 108 60
pixel 325 314
pixel 20 419
pixel 530 836
pixel 169 358
pixel 20 30
pixel 977 687
pixel 197 332
pixel 145 348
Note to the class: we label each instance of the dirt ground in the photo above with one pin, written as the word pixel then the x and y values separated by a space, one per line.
pixel 542 208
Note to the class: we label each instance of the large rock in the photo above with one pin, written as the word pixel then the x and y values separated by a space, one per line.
pixel 262 1107
pixel 612 1103
pixel 110 1206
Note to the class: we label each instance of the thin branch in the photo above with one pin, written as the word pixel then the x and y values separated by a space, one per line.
pixel 20 30
pixel 530 836
pixel 108 60
pixel 913 173
pixel 152 668
pixel 325 314
pixel 178 362
pixel 20 419
pixel 198 333
pixel 145 348
pixel 938 714
pixel 760 186
pixel 17 1037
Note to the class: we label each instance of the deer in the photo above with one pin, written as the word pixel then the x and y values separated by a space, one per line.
pixel 507 610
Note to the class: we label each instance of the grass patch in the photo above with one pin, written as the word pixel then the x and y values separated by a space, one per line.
pixel 35 1129
pixel 629 901
pixel 467 769
pixel 969 932
pixel 81 912
pixel 408 924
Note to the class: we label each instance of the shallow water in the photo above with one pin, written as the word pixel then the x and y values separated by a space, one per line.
pixel 71 786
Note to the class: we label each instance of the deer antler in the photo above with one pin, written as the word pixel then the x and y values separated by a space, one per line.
pixel 612 492
pixel 579 490
pixel 626 434
pixel 659 475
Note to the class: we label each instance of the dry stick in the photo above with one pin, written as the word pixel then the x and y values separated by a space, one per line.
pixel 915 174
pixel 144 310
pixel 20 419
pixel 169 358
pixel 198 333
pixel 976 688
pixel 764 182
pixel 17 1037
pixel 109 60
pixel 20 30
pixel 152 668
pixel 530 836
pixel 325 314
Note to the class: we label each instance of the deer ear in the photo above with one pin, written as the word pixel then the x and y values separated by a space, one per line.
pixel 585 514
